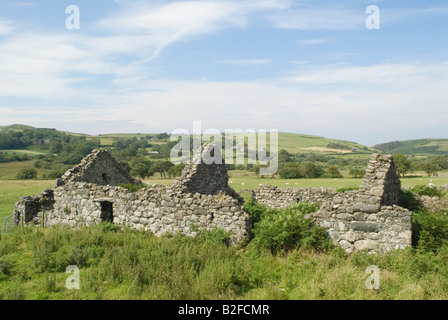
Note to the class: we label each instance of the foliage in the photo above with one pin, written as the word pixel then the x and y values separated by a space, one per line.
pixel 333 172
pixel 430 230
pixel 356 172
pixel 132 187
pixel 282 230
pixel 402 163
pixel 344 189
pixel 430 191
pixel 430 167
pixel 26 174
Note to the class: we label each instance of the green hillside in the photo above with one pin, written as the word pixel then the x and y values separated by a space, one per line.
pixel 416 147
pixel 15 127
pixel 291 142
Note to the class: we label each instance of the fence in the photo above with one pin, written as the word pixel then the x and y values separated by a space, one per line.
pixel 8 222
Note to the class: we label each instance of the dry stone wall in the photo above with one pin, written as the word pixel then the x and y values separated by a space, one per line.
pixel 87 194
pixel 366 219
pixel 274 197
pixel 158 209
pixel 99 168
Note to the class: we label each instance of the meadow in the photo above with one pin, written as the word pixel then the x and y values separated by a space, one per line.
pixel 124 264
pixel 285 259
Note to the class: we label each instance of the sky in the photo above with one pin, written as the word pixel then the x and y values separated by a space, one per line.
pixel 322 67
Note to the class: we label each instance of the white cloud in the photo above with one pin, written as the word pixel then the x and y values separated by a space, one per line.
pixel 324 18
pixel 245 62
pixel 6 27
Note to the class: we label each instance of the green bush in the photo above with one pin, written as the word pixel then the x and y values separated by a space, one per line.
pixel 5 266
pixel 428 191
pixel 282 230
pixel 26 174
pixel 132 187
pixel 344 189
pixel 430 230
pixel 409 201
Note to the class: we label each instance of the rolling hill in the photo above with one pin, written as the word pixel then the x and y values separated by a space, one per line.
pixel 301 143
pixel 416 147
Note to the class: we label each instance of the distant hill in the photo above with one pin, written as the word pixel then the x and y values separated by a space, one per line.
pixel 291 142
pixel 416 147
pixel 16 127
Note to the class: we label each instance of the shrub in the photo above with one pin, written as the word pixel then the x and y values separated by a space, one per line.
pixel 132 187
pixel 409 201
pixel 333 172
pixel 428 191
pixel 283 230
pixel 356 172
pixel 26 174
pixel 430 230
pixel 5 266
pixel 344 189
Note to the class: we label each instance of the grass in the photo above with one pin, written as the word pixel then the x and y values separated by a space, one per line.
pixel 134 265
pixel 247 180
pixel 8 171
pixel 11 192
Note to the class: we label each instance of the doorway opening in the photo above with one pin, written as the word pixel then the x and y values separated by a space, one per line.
pixel 107 213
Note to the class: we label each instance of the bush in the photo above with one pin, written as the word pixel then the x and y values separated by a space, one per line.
pixel 430 230
pixel 132 187
pixel 26 174
pixel 333 172
pixel 428 191
pixel 5 266
pixel 283 230
pixel 409 201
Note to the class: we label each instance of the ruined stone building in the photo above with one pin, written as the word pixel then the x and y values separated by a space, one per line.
pixel 201 199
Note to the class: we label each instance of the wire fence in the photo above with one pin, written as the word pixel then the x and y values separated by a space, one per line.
pixel 8 223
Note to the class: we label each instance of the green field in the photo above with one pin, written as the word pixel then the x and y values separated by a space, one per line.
pixel 12 190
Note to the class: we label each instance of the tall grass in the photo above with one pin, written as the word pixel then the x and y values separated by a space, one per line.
pixel 117 264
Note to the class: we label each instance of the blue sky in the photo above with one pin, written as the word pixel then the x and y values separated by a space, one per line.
pixel 307 67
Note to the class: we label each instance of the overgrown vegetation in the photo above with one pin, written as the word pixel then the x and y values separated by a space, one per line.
pixel 287 258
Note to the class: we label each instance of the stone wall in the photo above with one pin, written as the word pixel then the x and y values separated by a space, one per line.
pixel 204 176
pixel 158 209
pixel 200 199
pixel 274 197
pixel 99 168
pixel 369 218
pixel 365 219
pixel 355 224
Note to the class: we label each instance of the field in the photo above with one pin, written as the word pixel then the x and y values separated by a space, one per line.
pixel 133 265
pixel 12 190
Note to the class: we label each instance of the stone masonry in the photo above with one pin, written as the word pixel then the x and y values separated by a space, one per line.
pixel 201 199
pixel 88 194
pixel 365 219
pixel 274 197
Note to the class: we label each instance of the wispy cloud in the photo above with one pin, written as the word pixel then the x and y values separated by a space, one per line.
pixel 245 62
pixel 325 18
pixel 6 27
pixel 312 42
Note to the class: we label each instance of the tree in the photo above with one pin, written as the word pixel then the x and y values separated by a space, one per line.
pixel 430 167
pixel 402 163
pixel 26 174
pixel 333 172
pixel 311 170
pixel 290 171
pixel 356 172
